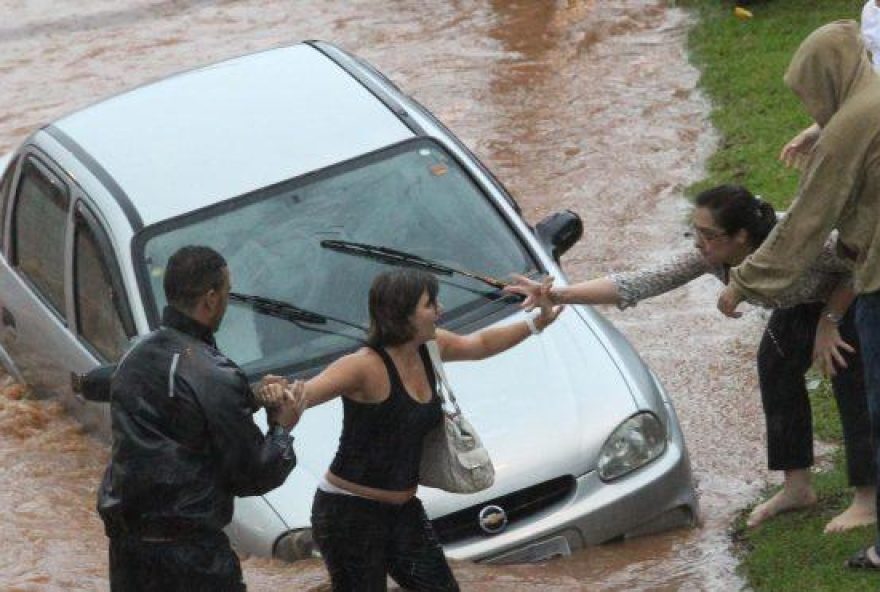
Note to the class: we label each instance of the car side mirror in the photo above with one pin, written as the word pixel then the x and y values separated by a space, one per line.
pixel 559 232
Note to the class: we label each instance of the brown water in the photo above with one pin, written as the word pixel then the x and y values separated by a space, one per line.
pixel 573 103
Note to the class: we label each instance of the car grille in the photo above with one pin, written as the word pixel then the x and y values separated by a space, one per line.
pixel 518 505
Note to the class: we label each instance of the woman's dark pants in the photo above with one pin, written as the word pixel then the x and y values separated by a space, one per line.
pixel 363 541
pixel 784 355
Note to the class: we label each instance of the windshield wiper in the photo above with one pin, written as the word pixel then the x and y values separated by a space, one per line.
pixel 395 257
pixel 288 312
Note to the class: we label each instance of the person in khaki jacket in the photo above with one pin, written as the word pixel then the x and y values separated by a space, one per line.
pixel 839 189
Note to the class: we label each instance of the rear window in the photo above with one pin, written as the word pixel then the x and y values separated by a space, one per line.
pixel 40 223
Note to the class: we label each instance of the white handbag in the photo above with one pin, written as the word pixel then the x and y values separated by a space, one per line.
pixel 453 457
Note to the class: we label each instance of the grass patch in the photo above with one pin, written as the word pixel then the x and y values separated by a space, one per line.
pixel 826 421
pixel 742 64
pixel 791 552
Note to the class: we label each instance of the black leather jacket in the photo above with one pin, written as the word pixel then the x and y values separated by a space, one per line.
pixel 184 439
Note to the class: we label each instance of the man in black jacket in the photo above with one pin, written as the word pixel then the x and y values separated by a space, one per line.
pixel 185 442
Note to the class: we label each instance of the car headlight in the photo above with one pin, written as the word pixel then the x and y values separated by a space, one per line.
pixel 636 442
pixel 295 545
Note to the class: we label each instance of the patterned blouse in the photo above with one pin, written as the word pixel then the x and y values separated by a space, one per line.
pixel 815 285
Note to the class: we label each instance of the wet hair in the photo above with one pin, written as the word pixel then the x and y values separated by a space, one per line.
pixel 394 296
pixel 192 272
pixel 734 208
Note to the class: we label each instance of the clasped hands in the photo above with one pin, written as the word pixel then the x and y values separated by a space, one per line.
pixel 285 401
pixel 537 295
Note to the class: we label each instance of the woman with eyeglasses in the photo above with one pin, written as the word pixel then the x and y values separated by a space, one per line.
pixel 811 324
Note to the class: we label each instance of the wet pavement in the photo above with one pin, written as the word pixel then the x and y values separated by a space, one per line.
pixel 573 104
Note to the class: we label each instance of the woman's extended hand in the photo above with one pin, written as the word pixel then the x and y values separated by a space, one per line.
pixel 800 145
pixel 285 404
pixel 536 293
pixel 270 393
pixel 549 313
pixel 828 349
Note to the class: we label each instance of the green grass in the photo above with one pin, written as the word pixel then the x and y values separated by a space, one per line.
pixel 791 552
pixel 742 64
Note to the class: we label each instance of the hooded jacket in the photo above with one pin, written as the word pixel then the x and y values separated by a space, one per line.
pixel 840 186
pixel 184 439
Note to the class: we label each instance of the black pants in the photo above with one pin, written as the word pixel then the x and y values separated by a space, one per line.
pixel 206 564
pixel 784 356
pixel 363 541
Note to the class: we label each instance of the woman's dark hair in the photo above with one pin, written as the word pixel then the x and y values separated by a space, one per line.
pixel 192 272
pixel 393 299
pixel 733 208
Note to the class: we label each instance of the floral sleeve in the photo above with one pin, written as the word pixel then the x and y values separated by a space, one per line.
pixel 638 285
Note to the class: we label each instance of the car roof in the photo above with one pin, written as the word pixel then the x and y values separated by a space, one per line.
pixel 203 136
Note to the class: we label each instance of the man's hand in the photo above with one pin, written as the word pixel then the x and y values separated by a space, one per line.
pixel 800 146
pixel 288 403
pixel 828 349
pixel 728 300
pixel 270 397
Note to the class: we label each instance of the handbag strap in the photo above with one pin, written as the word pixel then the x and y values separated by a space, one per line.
pixel 440 373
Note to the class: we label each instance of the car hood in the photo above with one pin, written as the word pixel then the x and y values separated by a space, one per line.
pixel 543 410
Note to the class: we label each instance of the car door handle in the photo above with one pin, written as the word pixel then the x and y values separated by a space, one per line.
pixel 8 319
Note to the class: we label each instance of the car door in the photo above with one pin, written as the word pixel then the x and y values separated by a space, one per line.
pixel 42 308
pixel 101 317
pixel 33 319
pixel 6 185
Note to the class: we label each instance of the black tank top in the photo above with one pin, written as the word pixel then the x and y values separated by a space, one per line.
pixel 381 443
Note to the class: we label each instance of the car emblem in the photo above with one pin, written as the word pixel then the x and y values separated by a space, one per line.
pixel 493 519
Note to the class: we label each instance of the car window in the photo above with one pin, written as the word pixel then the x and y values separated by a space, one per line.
pixel 5 188
pixel 103 320
pixel 413 197
pixel 40 221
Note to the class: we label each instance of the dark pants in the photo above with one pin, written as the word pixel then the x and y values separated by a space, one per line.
pixel 363 541
pixel 868 322
pixel 784 355
pixel 206 564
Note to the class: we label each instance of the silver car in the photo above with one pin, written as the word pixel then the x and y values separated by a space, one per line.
pixel 311 172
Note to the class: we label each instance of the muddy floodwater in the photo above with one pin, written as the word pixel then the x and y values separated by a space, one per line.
pixel 580 104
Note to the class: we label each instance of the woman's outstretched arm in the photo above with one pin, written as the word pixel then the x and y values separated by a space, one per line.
pixel 622 289
pixel 345 376
pixel 598 291
pixel 488 342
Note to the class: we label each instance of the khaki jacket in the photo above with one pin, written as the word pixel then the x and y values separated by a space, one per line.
pixel 840 186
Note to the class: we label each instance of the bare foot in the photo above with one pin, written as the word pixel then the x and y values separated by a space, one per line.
pixel 784 501
pixel 862 512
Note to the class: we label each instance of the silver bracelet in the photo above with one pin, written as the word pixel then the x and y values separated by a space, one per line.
pixel 530 323
pixel 832 317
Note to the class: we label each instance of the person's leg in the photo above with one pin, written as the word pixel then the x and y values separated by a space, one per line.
pixel 125 568
pixel 154 565
pixel 852 403
pixel 868 325
pixel 784 355
pixel 201 565
pixel 415 558
pixel 352 533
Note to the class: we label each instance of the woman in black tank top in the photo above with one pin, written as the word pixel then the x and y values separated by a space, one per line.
pixel 366 519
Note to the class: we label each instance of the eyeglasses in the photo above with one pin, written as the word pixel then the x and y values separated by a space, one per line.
pixel 707 234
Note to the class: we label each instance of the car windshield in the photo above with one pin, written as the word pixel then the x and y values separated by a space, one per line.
pixel 292 243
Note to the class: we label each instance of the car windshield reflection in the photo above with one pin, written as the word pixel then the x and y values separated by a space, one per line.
pixel 413 197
